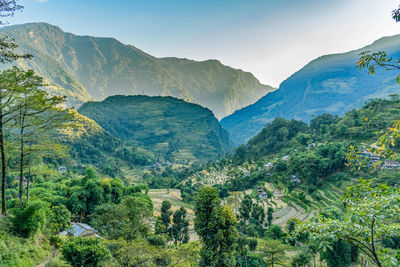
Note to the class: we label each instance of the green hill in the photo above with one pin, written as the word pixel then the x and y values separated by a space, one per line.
pixel 170 128
pixel 90 144
pixel 302 166
pixel 85 67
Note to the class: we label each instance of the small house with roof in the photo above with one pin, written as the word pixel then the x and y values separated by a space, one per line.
pixel 391 164
pixel 80 230
pixel 294 179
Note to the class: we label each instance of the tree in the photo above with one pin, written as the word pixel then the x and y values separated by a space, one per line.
pixel 58 219
pixel 215 224
pixel 245 208
pixel 137 253
pixel 79 251
pixel 29 220
pixel 37 114
pixel 340 253
pixel 128 220
pixel 165 217
pixel 272 250
pixel 371 214
pixel 396 14
pixel 180 228
pixel 302 259
pixel 258 215
pixel 270 216
pixel 7 96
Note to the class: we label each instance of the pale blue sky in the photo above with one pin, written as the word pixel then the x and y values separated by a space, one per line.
pixel 270 38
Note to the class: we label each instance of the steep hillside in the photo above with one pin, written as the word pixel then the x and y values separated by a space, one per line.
pixel 300 170
pixel 329 84
pixel 106 67
pixel 90 144
pixel 169 127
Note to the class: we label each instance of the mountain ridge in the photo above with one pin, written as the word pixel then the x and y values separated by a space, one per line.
pixel 104 67
pixel 328 84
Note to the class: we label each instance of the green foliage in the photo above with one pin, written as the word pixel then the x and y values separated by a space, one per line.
pixel 180 228
pixel 245 208
pixel 275 136
pixel 166 215
pixel 17 251
pixel 371 214
pixel 29 220
pixel 303 259
pixel 166 126
pixel 215 224
pixel 58 219
pixel 273 251
pixel 80 251
pixel 340 253
pixel 129 219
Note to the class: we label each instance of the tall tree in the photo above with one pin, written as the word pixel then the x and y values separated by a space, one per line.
pixel 37 114
pixel 215 224
pixel 245 208
pixel 166 214
pixel 180 227
pixel 270 216
pixel 7 54
pixel 9 94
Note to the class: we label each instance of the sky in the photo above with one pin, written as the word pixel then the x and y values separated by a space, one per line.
pixel 270 38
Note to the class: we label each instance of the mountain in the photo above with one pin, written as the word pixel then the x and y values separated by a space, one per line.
pixel 330 84
pixel 170 128
pixel 89 68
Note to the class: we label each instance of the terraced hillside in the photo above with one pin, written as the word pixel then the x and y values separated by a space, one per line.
pixel 172 129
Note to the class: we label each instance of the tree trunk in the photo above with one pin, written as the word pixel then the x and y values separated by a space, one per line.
pixel 22 158
pixel 3 168
pixel 21 174
pixel 27 182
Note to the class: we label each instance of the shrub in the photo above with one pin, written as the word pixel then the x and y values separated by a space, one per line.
pixel 85 252
pixel 28 221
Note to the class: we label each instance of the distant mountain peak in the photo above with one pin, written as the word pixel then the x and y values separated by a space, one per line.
pixel 329 84
pixel 104 67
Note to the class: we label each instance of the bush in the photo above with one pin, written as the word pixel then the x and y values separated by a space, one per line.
pixel 157 240
pixel 28 221
pixel 85 252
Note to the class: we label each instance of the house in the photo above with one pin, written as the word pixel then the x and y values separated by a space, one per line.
pixel 285 158
pixel 373 157
pixel 62 169
pixel 391 164
pixel 80 229
pixel 268 165
pixel 294 179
